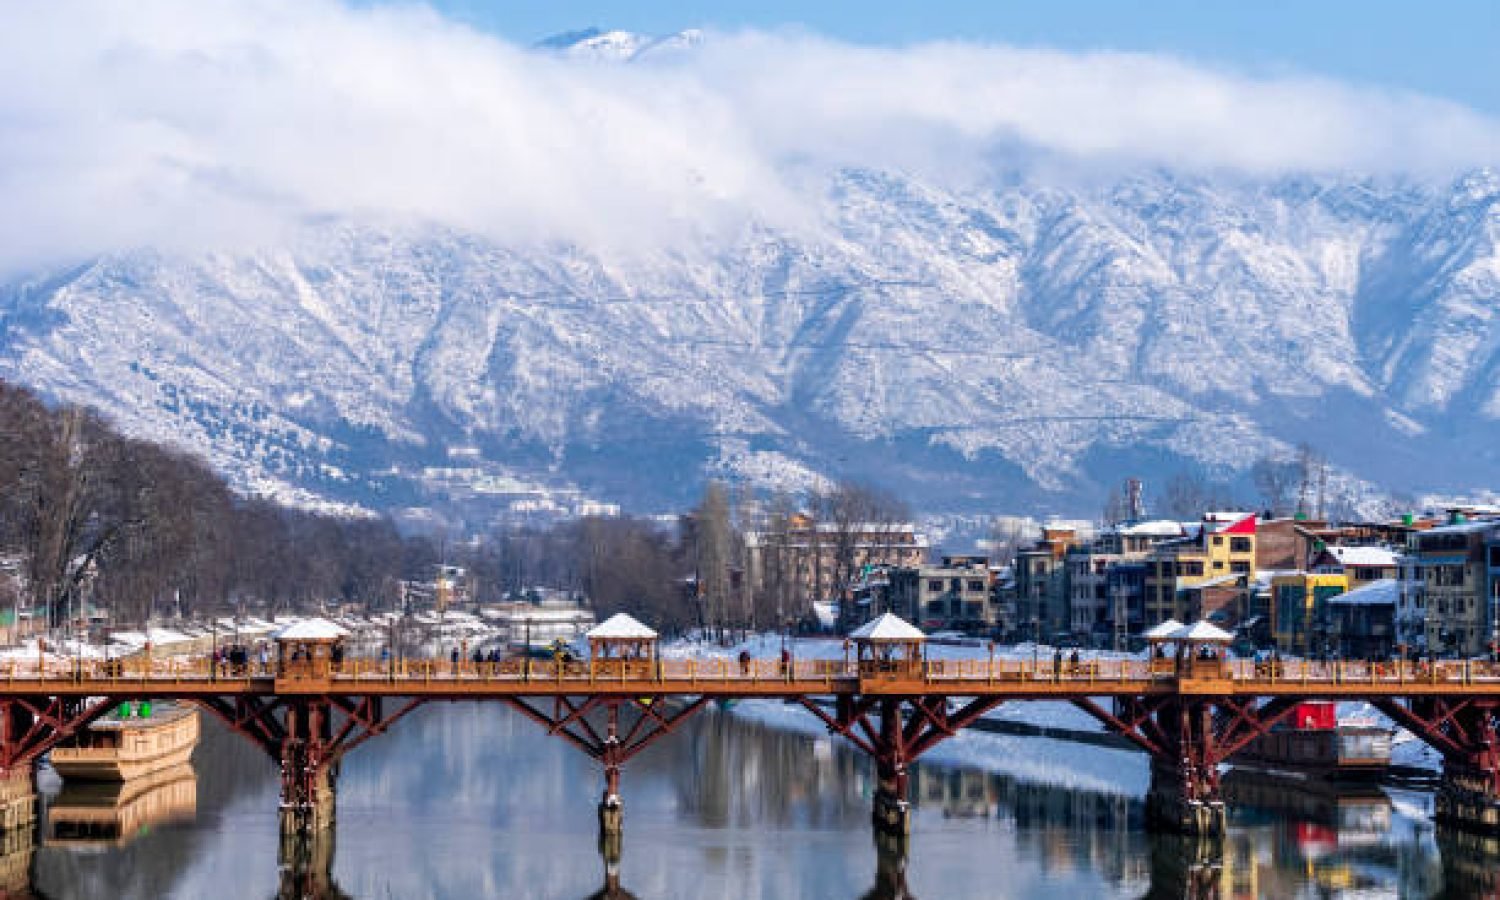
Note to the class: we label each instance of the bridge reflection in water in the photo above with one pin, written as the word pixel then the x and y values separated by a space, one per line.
pixel 1283 839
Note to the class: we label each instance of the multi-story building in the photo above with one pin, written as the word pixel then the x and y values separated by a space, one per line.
pixel 1362 621
pixel 954 595
pixel 1221 551
pixel 1361 565
pixel 1104 610
pixel 1411 604
pixel 1457 583
pixel 1301 621
pixel 811 560
pixel 1042 585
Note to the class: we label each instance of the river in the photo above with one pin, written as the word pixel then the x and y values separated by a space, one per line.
pixel 472 800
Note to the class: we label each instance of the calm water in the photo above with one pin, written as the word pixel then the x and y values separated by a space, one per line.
pixel 470 800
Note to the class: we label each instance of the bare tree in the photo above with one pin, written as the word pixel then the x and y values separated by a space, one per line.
pixel 1274 480
pixel 863 524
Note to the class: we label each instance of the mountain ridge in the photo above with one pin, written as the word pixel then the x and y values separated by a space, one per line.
pixel 1030 343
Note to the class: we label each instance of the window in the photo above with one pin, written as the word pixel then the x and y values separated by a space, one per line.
pixel 1218 540
pixel 935 585
pixel 1219 564
pixel 1239 545
pixel 976 584
pixel 1240 568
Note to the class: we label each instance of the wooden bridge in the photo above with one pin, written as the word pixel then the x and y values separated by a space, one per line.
pixel 1190 714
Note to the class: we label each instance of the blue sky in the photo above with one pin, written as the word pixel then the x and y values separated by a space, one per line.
pixel 1446 48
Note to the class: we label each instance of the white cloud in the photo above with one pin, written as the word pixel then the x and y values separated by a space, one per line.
pixel 207 122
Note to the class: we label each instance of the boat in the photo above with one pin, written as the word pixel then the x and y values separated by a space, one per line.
pixel 92 814
pixel 1311 741
pixel 132 741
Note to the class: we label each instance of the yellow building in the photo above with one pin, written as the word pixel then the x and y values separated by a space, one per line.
pixel 1222 552
pixel 1300 620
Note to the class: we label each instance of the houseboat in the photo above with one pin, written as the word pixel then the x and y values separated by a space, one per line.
pixel 1312 741
pixel 133 741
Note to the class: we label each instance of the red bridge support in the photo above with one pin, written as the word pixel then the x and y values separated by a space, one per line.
pixel 904 728
pixel 307 737
pixel 604 738
pixel 29 727
pixel 1188 738
pixel 1467 733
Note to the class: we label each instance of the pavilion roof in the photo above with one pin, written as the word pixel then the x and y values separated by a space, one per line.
pixel 314 629
pixel 888 627
pixel 1204 632
pixel 1163 632
pixel 621 626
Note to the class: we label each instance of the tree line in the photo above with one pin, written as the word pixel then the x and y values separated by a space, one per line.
pixel 92 517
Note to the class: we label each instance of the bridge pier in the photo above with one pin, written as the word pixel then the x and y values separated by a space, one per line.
pixel 908 727
pixel 306 736
pixel 1466 732
pixel 305 861
pixel 308 769
pixel 613 745
pixel 1185 799
pixel 611 807
pixel 892 806
pixel 1188 738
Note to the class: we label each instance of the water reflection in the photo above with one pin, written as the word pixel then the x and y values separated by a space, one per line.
pixel 98 814
pixel 471 800
pixel 306 866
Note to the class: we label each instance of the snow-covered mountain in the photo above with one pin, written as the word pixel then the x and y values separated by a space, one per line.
pixel 1025 344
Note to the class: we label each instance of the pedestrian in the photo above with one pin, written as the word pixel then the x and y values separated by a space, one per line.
pixel 454 657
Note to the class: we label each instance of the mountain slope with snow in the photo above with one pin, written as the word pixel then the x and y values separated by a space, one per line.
pixel 1028 344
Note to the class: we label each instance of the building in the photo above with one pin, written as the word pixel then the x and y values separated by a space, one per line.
pixel 1300 619
pixel 810 560
pixel 1223 544
pixel 955 595
pixel 1362 622
pixel 1106 610
pixel 1458 585
pixel 1041 579
pixel 1361 565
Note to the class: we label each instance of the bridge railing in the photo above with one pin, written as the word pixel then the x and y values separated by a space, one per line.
pixel 137 671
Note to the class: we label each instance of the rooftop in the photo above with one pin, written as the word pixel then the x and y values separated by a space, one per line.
pixel 621 626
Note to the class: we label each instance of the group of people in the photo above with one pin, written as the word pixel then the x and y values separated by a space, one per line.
pixel 235 658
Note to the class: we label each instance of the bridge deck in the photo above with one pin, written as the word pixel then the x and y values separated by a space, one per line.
pixel 1017 679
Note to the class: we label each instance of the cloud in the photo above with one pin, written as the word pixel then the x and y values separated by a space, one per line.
pixel 192 123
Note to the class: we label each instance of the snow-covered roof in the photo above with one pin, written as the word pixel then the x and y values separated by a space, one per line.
pixel 1363 556
pixel 1215 581
pixel 1376 593
pixel 1202 631
pixel 163 636
pixel 312 630
pixel 1462 527
pixel 1153 528
pixel 1162 632
pixel 888 627
pixel 621 625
